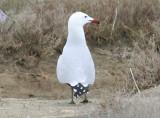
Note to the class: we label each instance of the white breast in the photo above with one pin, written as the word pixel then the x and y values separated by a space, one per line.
pixel 75 66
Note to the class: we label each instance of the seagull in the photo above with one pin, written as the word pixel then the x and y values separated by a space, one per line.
pixel 75 66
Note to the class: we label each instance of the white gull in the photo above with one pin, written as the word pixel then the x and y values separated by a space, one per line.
pixel 75 65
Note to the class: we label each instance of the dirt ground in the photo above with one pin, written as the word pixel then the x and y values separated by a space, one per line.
pixel 26 81
pixel 35 108
pixel 145 105
pixel 34 92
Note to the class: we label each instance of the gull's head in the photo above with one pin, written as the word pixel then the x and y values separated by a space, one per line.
pixel 80 19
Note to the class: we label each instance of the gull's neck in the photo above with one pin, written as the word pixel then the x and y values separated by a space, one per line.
pixel 76 37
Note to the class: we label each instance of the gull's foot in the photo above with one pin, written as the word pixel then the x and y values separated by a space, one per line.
pixel 85 101
pixel 72 102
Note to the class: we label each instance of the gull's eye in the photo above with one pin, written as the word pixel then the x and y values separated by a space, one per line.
pixel 85 16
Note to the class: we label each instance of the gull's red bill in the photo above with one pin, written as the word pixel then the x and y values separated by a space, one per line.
pixel 95 21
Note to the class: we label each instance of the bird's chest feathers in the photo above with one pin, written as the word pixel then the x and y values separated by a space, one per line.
pixel 77 55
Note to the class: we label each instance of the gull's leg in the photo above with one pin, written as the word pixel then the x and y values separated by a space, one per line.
pixel 72 101
pixel 85 99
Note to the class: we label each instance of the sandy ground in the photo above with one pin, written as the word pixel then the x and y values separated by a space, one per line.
pixel 34 108
pixel 34 92
pixel 145 105
pixel 25 79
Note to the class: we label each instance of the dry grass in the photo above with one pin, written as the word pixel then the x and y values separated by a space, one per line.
pixel 146 65
pixel 42 26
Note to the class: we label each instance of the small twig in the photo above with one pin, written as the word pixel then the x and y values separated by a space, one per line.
pixel 135 81
pixel 115 19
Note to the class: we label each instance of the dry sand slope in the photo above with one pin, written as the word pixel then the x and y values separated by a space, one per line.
pixel 145 106
pixel 46 98
pixel 34 108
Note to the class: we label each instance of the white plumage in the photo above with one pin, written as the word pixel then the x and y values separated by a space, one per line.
pixel 75 64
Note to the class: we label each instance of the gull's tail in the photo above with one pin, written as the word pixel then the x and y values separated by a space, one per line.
pixel 79 89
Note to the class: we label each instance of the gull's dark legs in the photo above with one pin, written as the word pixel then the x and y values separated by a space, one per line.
pixel 85 99
pixel 72 101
